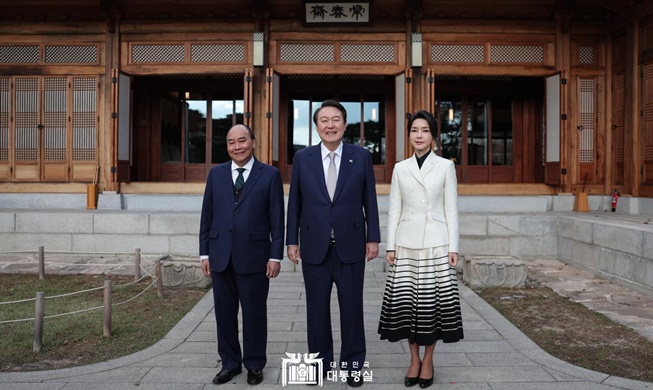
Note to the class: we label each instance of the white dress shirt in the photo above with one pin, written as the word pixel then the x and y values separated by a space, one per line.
pixel 248 169
pixel 326 160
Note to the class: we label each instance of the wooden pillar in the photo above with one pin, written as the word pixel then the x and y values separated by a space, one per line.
pixel 563 65
pixel 608 120
pixel 632 176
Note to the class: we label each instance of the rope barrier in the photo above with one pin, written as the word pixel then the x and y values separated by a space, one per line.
pixel 143 269
pixel 85 310
pixel 20 301
pixel 147 272
pixel 130 283
pixel 74 293
pixel 143 257
pixel 136 296
pixel 73 252
pixel 79 292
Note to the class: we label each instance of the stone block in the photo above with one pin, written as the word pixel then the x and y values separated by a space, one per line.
pixel 174 224
pixel 620 238
pixel 494 271
pixel 485 246
pixel 537 226
pixel 473 225
pixel 183 273
pixel 187 245
pixel 7 222
pixel 109 201
pixel 120 223
pixel 49 222
pixel 533 247
pixel 503 225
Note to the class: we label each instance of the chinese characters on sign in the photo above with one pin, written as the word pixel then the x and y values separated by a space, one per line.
pixel 340 12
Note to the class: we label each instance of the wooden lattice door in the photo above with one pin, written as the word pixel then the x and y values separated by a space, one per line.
pixel 48 129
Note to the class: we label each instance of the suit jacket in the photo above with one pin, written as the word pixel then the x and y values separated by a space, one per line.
pixel 353 213
pixel 423 208
pixel 249 231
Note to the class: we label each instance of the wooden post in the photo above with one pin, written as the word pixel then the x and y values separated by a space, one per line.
pixel 137 264
pixel 41 263
pixel 107 308
pixel 38 321
pixel 159 279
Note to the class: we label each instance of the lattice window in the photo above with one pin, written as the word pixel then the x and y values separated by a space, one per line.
pixel 84 118
pixel 71 54
pixel 158 53
pixel 586 55
pixel 647 134
pixel 4 118
pixel 27 119
pixel 19 54
pixel 457 53
pixel 217 53
pixel 55 123
pixel 648 153
pixel 290 52
pixel 586 120
pixel 367 53
pixel 523 54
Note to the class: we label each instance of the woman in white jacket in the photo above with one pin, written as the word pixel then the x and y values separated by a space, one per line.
pixel 421 301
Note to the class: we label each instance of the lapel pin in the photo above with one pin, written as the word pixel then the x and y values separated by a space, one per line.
pixel 350 160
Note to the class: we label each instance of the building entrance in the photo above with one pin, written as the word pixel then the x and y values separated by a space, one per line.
pixel 492 128
pixel 183 131
pixel 370 106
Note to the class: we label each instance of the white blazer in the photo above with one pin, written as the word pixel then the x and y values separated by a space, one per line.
pixel 423 209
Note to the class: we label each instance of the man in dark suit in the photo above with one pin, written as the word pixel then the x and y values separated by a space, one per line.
pixel 333 215
pixel 241 246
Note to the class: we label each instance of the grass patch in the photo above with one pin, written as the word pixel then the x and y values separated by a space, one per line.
pixel 574 333
pixel 77 339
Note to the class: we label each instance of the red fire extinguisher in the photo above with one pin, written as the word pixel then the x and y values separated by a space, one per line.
pixel 615 199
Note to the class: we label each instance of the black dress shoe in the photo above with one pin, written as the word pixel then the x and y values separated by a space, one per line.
pixel 254 377
pixel 410 381
pixel 424 383
pixel 354 381
pixel 225 376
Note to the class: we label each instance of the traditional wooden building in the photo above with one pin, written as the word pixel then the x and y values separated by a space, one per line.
pixel 531 96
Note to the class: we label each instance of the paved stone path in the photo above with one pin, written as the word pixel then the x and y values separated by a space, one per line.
pixel 494 355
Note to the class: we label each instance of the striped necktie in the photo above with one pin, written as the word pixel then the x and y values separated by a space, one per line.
pixel 240 181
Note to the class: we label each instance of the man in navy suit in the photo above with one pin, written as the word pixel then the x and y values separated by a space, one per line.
pixel 333 218
pixel 241 247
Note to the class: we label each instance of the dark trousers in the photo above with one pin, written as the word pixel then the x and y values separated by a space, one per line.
pixel 318 281
pixel 230 287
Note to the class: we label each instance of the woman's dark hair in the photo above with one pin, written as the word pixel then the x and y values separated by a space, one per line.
pixel 423 114
pixel 331 103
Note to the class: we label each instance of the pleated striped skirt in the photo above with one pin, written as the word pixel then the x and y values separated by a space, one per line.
pixel 421 301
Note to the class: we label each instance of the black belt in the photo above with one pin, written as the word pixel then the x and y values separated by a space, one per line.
pixel 332 241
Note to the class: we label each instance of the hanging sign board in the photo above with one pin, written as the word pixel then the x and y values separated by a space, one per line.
pixel 318 13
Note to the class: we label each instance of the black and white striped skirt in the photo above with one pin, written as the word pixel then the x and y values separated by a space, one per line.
pixel 421 301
